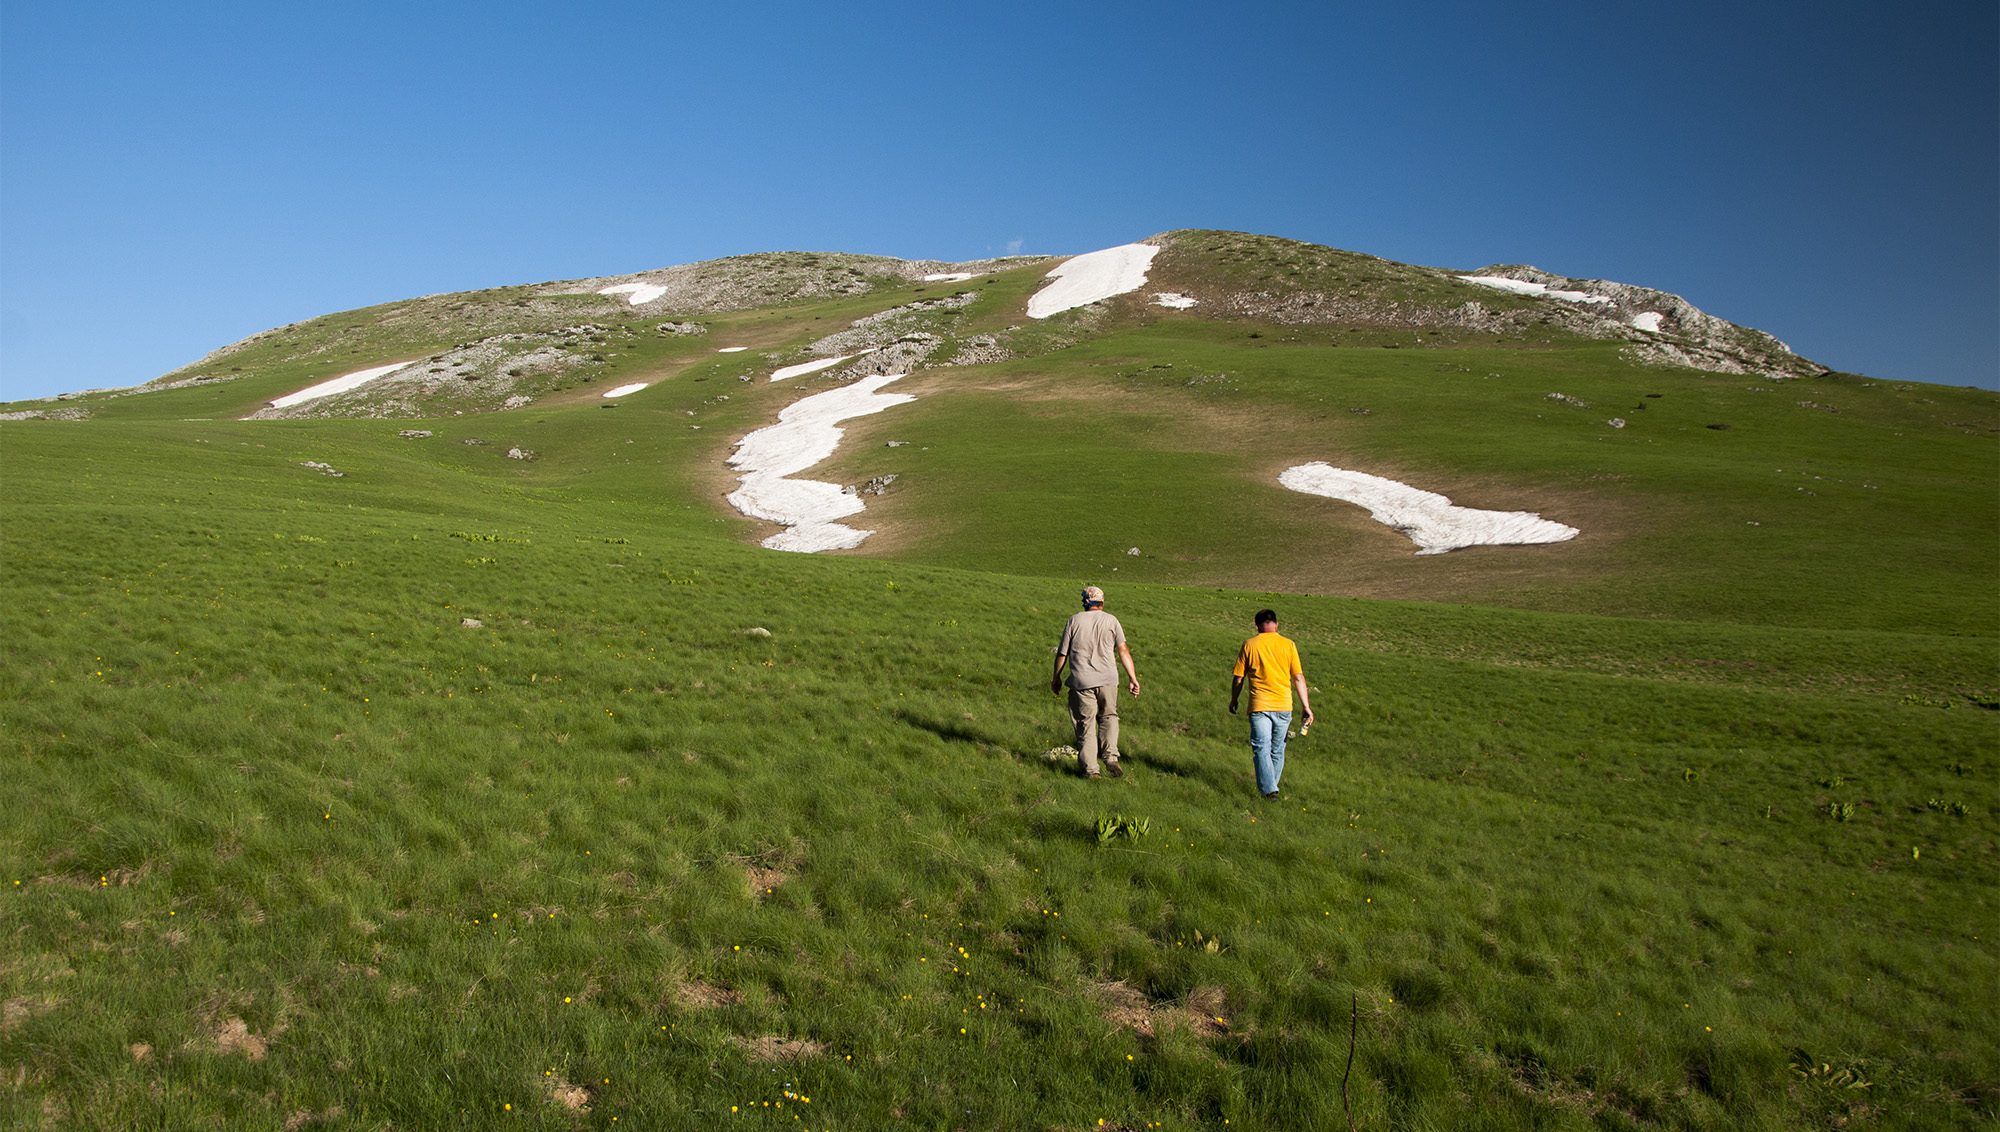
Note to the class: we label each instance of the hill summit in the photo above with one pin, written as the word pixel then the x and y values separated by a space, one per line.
pixel 510 347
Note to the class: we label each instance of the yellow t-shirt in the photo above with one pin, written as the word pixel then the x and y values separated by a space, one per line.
pixel 1269 661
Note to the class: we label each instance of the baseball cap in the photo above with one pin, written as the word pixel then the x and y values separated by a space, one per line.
pixel 1093 596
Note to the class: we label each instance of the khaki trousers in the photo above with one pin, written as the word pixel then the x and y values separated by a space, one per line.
pixel 1094 712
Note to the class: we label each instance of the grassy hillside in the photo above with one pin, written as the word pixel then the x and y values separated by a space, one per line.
pixel 288 830
pixel 1689 822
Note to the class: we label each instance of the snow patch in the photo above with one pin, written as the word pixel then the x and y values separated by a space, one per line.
pixel 807 432
pixel 804 368
pixel 1523 287
pixel 1430 520
pixel 339 384
pixel 642 293
pixel 732 349
pixel 624 389
pixel 1648 322
pixel 1093 276
pixel 1174 300
pixel 948 277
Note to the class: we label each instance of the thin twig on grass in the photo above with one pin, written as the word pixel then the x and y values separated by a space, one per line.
pixel 1353 1023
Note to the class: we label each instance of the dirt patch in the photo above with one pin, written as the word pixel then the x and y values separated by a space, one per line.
pixel 575 1098
pixel 15 1011
pixel 141 1051
pixel 305 1116
pixel 1203 1011
pixel 769 1048
pixel 764 882
pixel 234 1036
pixel 696 995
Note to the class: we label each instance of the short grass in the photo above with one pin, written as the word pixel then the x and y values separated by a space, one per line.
pixel 285 844
pixel 1168 435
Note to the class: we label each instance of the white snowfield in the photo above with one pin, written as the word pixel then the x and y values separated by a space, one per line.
pixel 1648 322
pixel 1523 287
pixel 804 368
pixel 1091 277
pixel 1430 520
pixel 948 277
pixel 1174 300
pixel 642 293
pixel 732 349
pixel 339 384
pixel 807 432
pixel 624 389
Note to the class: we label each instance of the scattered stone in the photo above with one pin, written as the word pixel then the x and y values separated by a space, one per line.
pixel 471 623
pixel 682 328
pixel 416 434
pixel 472 440
pixel 756 631
pixel 1361 412
pixel 1616 422
pixel 878 485
pixel 895 444
pixel 1134 552
pixel 1568 400
pixel 324 469
pixel 520 454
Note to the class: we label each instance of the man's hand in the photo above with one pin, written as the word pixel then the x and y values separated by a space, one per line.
pixel 1055 685
pixel 1309 717
pixel 1232 705
pixel 1134 686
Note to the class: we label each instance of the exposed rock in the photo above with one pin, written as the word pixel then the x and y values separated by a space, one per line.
pixel 414 433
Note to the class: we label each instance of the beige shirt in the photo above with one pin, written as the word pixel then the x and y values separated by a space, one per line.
pixel 1091 641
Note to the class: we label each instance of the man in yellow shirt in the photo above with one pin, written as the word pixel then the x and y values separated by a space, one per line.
pixel 1270 663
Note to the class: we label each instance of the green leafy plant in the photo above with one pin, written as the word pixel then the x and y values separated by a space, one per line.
pixel 1829 1075
pixel 1111 826
pixel 1840 811
pixel 1943 806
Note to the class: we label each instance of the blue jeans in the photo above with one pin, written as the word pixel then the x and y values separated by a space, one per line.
pixel 1267 747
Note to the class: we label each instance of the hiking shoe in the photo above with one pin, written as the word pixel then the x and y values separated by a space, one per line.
pixel 1271 797
pixel 1093 776
pixel 1111 766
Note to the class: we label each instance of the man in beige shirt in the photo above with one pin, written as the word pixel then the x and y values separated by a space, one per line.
pixel 1093 642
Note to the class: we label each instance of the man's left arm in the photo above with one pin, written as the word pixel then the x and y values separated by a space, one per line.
pixel 1299 685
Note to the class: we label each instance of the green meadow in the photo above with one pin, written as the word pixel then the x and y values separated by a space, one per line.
pixel 463 791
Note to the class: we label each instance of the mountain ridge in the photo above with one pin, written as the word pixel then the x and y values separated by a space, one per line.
pixel 509 347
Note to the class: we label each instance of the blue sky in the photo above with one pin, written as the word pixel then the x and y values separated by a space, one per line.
pixel 174 177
